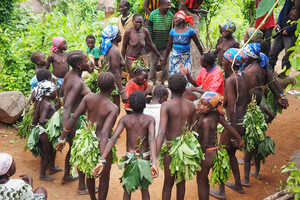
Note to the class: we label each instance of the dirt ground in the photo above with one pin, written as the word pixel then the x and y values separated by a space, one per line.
pixel 283 130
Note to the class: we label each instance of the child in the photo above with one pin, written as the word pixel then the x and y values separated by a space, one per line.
pixel 160 95
pixel 138 127
pixel 210 108
pixel 58 59
pixel 92 50
pixel 174 116
pixel 39 59
pixel 104 113
pixel 226 40
pixel 44 92
pixel 74 89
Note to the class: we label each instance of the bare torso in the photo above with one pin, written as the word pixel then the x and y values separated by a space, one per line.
pixel 137 43
pixel 223 45
pixel 59 63
pixel 207 129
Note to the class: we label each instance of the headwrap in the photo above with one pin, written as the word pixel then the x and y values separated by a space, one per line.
pixel 264 61
pixel 214 99
pixel 109 33
pixel 181 14
pixel 258 35
pixel 252 50
pixel 240 59
pixel 229 26
pixel 6 161
pixel 57 42
pixel 44 88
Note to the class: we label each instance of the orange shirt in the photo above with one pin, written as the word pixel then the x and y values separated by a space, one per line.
pixel 212 80
pixel 132 86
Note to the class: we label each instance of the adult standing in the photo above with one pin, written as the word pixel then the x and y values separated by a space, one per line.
pixel 286 38
pixel 160 24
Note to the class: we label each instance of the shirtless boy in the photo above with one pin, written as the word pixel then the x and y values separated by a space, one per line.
pixel 58 59
pixel 175 114
pixel 74 90
pixel 136 39
pixel 137 125
pixel 104 113
pixel 39 59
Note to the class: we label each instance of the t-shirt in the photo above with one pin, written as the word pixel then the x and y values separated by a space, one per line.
pixel 270 22
pixel 16 189
pixel 154 111
pixel 159 28
pixel 212 80
pixel 95 52
pixel 132 86
pixel 182 41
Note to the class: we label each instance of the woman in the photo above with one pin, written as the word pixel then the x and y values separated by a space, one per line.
pixel 180 42
pixel 11 189
pixel 135 41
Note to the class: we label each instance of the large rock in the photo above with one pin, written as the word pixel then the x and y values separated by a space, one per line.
pixel 12 105
pixel 296 158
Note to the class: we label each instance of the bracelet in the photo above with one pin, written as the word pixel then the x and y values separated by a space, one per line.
pixel 102 161
pixel 61 141
pixel 282 94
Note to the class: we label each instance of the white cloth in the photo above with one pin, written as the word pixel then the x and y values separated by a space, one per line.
pixel 154 111
pixel 5 163
pixel 16 189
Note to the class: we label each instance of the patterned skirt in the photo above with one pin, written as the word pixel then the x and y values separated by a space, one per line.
pixel 176 59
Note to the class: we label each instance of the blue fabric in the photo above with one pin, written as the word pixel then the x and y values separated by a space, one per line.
pixel 109 33
pixel 60 81
pixel 182 41
pixel 240 59
pixel 230 26
pixel 33 82
pixel 252 50
pixel 264 61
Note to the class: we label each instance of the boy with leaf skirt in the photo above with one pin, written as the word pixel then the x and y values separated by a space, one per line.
pixel 140 160
pixel 38 141
pixel 210 108
pixel 102 111
pixel 175 114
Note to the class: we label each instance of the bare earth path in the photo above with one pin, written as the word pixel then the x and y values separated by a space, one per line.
pixel 283 130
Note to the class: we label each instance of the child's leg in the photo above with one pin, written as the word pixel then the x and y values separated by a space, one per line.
pixel 126 196
pixel 90 182
pixel 45 160
pixel 257 170
pixel 168 179
pixel 180 190
pixel 247 167
pixel 145 194
pixel 53 168
pixel 104 179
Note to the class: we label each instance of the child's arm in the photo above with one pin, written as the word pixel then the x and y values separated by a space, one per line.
pixel 49 61
pixel 151 44
pixel 231 130
pixel 188 75
pixel 197 42
pixel 169 48
pixel 125 42
pixel 162 127
pixel 152 144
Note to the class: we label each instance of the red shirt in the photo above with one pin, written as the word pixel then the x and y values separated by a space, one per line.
pixel 270 22
pixel 212 80
pixel 132 86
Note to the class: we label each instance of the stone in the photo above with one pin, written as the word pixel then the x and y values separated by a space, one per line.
pixel 296 158
pixel 12 105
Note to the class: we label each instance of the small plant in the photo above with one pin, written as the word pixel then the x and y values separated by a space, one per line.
pixel 293 181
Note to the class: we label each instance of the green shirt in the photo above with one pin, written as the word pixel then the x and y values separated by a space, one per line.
pixel 159 27
pixel 95 52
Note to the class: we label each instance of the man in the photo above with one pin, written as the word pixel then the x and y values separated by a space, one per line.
pixel 160 24
pixel 286 38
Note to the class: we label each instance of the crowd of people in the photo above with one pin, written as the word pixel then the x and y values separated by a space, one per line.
pixel 156 113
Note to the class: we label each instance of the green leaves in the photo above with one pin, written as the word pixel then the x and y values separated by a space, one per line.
pixel 33 143
pixel 293 181
pixel 25 126
pixel 54 127
pixel 265 148
pixel 221 167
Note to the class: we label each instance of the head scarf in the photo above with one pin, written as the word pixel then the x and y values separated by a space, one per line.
pixel 215 100
pixel 181 14
pixel 5 163
pixel 43 89
pixel 264 61
pixel 258 35
pixel 252 50
pixel 230 26
pixel 240 59
pixel 109 33
pixel 57 42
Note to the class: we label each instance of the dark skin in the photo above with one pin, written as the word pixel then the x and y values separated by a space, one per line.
pixel 41 62
pixel 116 62
pixel 181 27
pixel 42 114
pixel 137 126
pixel 135 41
pixel 104 113
pixel 74 89
pixel 174 115
pixel 124 9
pixel 59 61
pixel 91 44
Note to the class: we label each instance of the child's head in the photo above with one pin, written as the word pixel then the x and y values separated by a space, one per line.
pixel 228 29
pixel 256 36
pixel 43 74
pixel 90 41
pixel 38 58
pixel 7 165
pixel 161 93
pixel 177 84
pixel 106 82
pixel 124 7
pixel 140 76
pixel 79 60
pixel 210 101
pixel 137 101
pixel 208 60
pixel 59 44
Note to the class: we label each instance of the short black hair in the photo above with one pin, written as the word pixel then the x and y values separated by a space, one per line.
pixel 90 37
pixel 137 101
pixel 209 58
pixel 139 71
pixel 177 83
pixel 43 74
pixel 127 4
pixel 160 91
pixel 106 81
pixel 74 58
pixel 35 56
pixel 137 15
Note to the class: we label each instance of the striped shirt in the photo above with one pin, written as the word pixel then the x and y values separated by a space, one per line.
pixel 152 5
pixel 159 28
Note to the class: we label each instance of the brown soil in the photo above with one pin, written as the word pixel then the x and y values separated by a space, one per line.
pixel 283 130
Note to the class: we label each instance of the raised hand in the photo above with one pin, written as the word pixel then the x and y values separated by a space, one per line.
pixel 98 169
pixel 183 69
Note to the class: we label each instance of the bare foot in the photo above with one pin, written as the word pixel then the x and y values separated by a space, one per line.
pixel 235 188
pixel 217 194
pixel 54 170
pixel 68 179
pixel 46 178
pixel 255 175
pixel 246 183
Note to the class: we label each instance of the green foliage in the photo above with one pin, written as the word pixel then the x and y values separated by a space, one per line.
pixel 55 127
pixel 269 101
pixel 25 126
pixel 248 10
pixel 6 10
pixel 33 142
pixel 293 181
pixel 92 82
pixel 221 167
pixel 265 148
pixel 137 6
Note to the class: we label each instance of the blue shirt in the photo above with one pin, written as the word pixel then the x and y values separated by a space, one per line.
pixel 182 41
